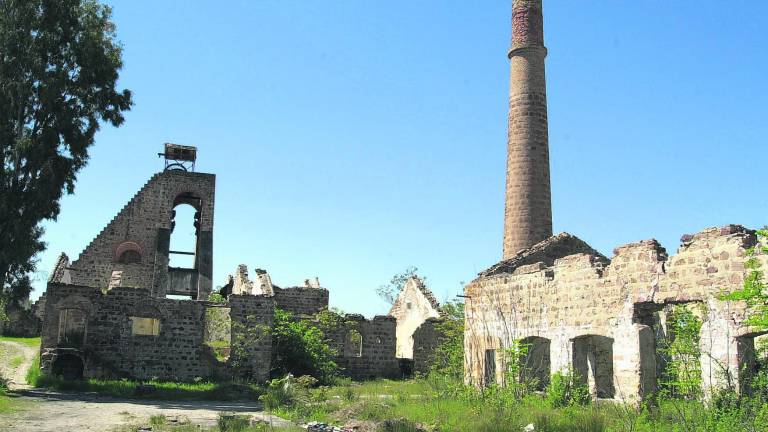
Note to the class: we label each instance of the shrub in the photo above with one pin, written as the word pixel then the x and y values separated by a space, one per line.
pixel 565 389
pixel 448 357
pixel 300 348
pixel 232 422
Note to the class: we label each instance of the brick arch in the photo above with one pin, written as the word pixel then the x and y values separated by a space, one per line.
pixel 189 197
pixel 126 248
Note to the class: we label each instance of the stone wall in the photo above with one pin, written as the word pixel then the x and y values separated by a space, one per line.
pixel 425 339
pixel 413 305
pixel 108 347
pixel 598 315
pixel 252 319
pixel 301 301
pixel 376 357
pixel 143 226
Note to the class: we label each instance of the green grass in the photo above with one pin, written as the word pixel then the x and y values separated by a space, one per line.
pixel 8 403
pixel 16 362
pixel 226 423
pixel 33 342
pixel 33 373
pixel 430 406
pixel 162 390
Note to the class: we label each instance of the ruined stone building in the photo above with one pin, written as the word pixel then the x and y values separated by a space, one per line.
pixel 121 310
pixel 577 310
pixel 416 311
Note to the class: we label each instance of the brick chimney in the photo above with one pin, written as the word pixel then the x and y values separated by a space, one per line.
pixel 528 211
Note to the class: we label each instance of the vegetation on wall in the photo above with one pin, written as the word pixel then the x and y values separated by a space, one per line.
pixel 448 357
pixel 755 292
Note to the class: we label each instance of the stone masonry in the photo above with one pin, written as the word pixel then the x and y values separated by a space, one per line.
pixel 528 211
pixel 106 346
pixel 413 306
pixel 133 249
pixel 576 310
pixel 601 317
pixel 108 314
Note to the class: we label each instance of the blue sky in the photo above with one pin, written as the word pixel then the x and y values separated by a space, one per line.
pixel 352 139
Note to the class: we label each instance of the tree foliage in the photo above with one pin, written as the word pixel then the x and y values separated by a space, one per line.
pixel 390 291
pixel 299 347
pixel 448 356
pixel 59 63
pixel 682 375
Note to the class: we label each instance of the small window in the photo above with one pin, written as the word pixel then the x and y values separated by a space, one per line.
pixel 141 326
pixel 128 253
pixel 408 305
pixel 129 257
pixel 354 344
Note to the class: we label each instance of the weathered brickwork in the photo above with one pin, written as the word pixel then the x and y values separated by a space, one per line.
pixel 600 317
pixel 107 314
pixel 528 210
pixel 143 227
pixel 413 305
pixel 108 347
pixel 300 300
pixel 375 358
pixel 425 339
pixel 252 318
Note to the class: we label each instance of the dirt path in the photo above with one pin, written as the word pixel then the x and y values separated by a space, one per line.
pixel 49 411
pixel 15 359
pixel 56 412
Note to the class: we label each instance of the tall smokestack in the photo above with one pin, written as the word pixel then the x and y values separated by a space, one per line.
pixel 528 211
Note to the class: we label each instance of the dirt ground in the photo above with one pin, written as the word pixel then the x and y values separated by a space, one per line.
pixel 49 411
pixel 16 374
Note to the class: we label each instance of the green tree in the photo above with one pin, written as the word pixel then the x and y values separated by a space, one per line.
pixel 390 291
pixel 448 357
pixel 59 63
pixel 682 375
pixel 299 347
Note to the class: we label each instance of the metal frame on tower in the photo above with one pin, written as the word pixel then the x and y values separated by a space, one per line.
pixel 179 157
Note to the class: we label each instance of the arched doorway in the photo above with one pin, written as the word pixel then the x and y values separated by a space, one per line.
pixel 535 362
pixel 68 366
pixel 593 364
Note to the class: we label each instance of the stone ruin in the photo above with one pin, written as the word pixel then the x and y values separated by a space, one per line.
pixel 417 312
pixel 120 310
pixel 578 311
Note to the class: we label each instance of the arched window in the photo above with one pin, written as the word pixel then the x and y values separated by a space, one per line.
pixel 184 230
pixel 353 345
pixel 128 253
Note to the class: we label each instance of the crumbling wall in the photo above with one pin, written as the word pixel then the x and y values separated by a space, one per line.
pixel 252 319
pixel 557 292
pixel 143 227
pixel 425 339
pixel 110 346
pixel 301 301
pixel 375 358
pixel 413 305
